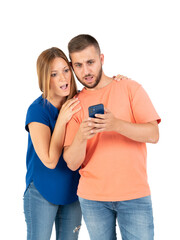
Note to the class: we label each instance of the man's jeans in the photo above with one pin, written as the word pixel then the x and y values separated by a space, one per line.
pixel 40 216
pixel 134 217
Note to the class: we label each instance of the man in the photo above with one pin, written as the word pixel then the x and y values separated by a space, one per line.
pixel 111 148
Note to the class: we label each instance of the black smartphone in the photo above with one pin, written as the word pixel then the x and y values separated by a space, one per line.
pixel 96 109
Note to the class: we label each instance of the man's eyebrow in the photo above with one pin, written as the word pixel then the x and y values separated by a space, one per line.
pixel 90 60
pixel 77 63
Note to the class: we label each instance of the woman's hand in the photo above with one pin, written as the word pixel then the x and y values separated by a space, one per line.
pixel 68 110
pixel 120 77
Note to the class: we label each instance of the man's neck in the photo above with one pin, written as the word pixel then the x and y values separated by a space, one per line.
pixel 105 80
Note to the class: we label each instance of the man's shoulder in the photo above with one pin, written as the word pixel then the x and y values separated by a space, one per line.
pixel 80 92
pixel 127 84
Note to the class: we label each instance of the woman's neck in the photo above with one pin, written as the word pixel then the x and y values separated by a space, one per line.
pixel 57 101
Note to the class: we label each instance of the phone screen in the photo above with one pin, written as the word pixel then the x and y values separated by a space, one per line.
pixel 96 109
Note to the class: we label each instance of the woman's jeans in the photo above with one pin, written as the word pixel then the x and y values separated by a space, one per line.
pixel 134 217
pixel 41 214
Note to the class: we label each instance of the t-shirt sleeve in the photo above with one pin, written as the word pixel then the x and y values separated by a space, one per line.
pixel 142 107
pixel 36 113
pixel 71 130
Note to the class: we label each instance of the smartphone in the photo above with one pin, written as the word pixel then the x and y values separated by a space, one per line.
pixel 96 109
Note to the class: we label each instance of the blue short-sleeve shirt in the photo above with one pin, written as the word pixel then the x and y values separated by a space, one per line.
pixel 59 185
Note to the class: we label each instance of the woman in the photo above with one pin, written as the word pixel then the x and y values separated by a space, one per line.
pixel 51 186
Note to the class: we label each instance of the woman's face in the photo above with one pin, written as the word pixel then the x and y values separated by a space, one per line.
pixel 60 78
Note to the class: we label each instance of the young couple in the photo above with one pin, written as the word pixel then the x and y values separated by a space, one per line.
pixel 109 150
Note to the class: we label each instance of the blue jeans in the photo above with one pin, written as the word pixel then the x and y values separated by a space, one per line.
pixel 134 217
pixel 40 216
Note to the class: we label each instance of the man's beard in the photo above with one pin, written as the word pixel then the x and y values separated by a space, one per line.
pixel 97 80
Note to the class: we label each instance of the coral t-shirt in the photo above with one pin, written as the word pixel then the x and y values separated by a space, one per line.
pixel 114 168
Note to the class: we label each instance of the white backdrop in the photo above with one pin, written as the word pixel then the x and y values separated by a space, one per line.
pixel 140 39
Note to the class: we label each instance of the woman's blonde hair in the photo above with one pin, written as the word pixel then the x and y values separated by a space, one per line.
pixel 44 62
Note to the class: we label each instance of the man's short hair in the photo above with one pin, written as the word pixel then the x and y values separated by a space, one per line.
pixel 81 42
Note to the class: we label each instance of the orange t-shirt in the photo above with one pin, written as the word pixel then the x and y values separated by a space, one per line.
pixel 115 166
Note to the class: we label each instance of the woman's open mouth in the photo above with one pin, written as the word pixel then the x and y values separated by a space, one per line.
pixel 64 87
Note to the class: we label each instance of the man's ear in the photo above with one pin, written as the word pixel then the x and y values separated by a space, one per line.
pixel 70 64
pixel 102 58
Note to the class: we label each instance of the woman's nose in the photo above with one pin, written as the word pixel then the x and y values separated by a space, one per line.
pixel 62 78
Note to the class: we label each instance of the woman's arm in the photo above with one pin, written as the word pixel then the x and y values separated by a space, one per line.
pixel 47 147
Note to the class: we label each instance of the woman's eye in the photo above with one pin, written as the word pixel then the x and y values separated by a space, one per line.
pixel 53 74
pixel 67 70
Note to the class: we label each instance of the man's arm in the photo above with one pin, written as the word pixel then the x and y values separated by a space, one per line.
pixel 74 154
pixel 140 132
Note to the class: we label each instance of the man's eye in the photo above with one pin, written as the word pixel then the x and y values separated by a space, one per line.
pixel 90 62
pixel 78 65
pixel 53 74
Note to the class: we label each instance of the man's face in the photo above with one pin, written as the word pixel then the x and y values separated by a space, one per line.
pixel 87 65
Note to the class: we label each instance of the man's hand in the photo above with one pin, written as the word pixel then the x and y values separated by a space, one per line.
pixel 89 128
pixel 140 132
pixel 104 122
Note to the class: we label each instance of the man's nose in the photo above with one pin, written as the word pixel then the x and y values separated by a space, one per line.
pixel 85 70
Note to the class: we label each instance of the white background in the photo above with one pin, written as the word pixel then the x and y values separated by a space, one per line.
pixel 140 39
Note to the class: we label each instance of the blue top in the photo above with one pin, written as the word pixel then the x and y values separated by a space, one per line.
pixel 59 185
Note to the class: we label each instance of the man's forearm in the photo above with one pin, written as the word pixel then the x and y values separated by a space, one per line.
pixel 140 132
pixel 145 132
pixel 75 153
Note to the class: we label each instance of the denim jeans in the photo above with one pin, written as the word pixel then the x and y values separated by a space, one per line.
pixel 41 214
pixel 134 217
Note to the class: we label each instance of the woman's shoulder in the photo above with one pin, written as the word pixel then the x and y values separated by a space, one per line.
pixel 38 103
pixel 37 112
pixel 38 107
